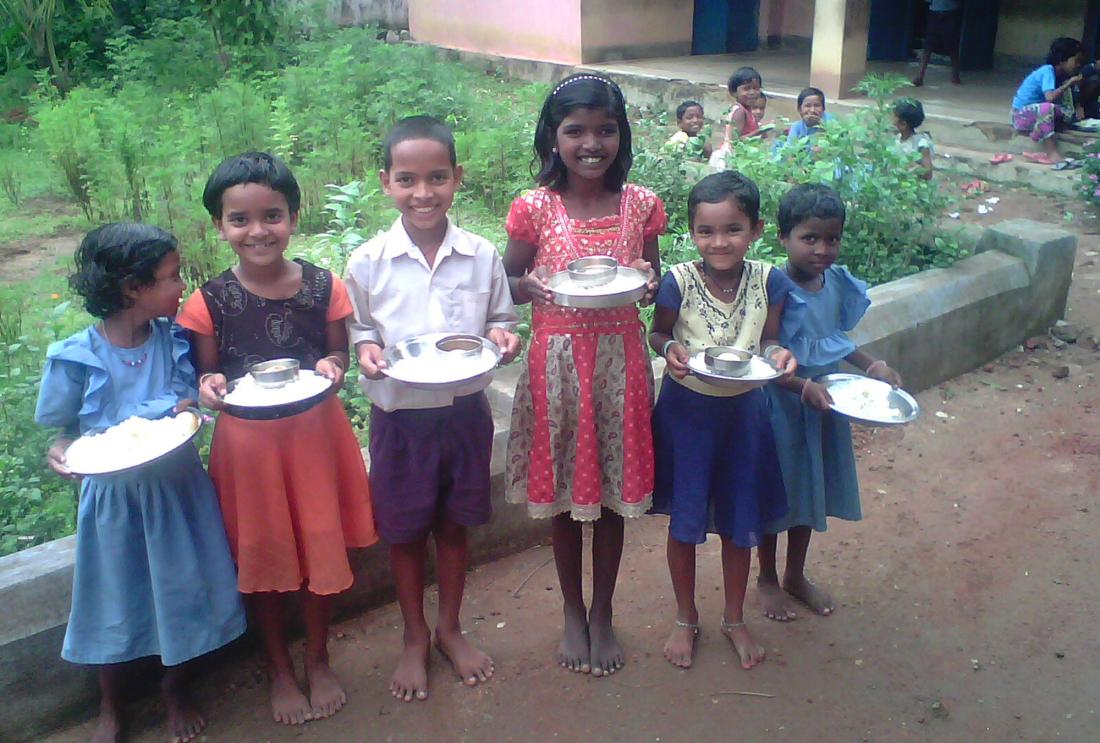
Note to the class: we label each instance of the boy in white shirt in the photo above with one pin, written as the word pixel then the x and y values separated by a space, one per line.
pixel 429 450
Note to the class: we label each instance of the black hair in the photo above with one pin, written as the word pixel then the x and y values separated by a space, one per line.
pixel 723 186
pixel 910 111
pixel 250 167
pixel 418 127
pixel 683 108
pixel 741 76
pixel 807 92
pixel 806 202
pixel 1061 49
pixel 115 257
pixel 585 90
pixel 763 96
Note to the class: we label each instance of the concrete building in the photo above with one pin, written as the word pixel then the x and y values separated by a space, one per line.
pixel 838 36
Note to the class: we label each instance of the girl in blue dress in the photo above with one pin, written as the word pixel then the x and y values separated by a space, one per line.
pixel 814 444
pixel 153 572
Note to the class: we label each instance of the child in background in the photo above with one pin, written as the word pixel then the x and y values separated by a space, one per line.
pixel 430 450
pixel 294 491
pixel 717 470
pixel 811 112
pixel 1042 102
pixel 744 85
pixel 153 572
pixel 814 444
pixel 690 119
pixel 908 115
pixel 581 447
pixel 759 107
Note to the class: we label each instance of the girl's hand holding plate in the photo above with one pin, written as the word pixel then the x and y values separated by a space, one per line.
pixel 534 283
pixel 651 279
pixel 676 357
pixel 55 458
pixel 331 368
pixel 816 396
pixel 212 388
pixel 507 341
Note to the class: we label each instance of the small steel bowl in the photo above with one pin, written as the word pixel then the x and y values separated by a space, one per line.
pixel 595 270
pixel 275 373
pixel 727 360
pixel 460 345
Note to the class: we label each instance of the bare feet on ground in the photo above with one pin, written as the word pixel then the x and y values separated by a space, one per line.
pixel 108 729
pixel 288 704
pixel 185 723
pixel 815 597
pixel 573 649
pixel 749 651
pixel 410 680
pixel 471 665
pixel 776 603
pixel 680 647
pixel 606 653
pixel 326 695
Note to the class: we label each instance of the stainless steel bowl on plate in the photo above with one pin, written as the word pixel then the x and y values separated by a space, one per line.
pixel 727 360
pixel 460 346
pixel 275 373
pixel 595 270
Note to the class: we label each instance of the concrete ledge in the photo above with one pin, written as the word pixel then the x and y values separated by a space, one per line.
pixel 932 326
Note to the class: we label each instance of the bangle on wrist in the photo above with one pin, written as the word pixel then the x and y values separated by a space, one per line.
pixel 665 347
pixel 335 360
pixel 769 350
pixel 203 377
pixel 873 364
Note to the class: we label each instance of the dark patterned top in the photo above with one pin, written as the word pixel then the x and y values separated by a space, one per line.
pixel 250 328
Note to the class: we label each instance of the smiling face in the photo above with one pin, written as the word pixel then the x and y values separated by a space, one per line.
pixel 748 92
pixel 813 244
pixel 256 222
pixel 162 297
pixel 811 110
pixel 758 106
pixel 422 183
pixel 692 121
pixel 723 233
pixel 587 141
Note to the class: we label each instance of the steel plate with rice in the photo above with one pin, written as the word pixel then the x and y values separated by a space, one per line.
pixel 626 287
pixel 439 361
pixel 133 443
pixel 870 401
pixel 248 398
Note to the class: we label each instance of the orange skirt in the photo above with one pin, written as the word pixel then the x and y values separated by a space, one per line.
pixel 294 498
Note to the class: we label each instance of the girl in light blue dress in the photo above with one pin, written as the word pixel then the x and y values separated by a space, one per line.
pixel 813 443
pixel 153 572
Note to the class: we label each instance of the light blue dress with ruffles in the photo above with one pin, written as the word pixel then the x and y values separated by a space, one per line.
pixel 815 448
pixel 153 573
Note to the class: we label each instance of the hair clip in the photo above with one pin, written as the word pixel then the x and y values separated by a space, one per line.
pixel 571 80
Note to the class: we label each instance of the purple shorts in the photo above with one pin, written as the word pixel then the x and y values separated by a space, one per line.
pixel 431 463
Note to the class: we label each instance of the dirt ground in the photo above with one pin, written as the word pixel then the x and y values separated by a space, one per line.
pixel 966 596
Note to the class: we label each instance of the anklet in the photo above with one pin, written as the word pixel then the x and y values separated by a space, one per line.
pixel 688 625
pixel 726 626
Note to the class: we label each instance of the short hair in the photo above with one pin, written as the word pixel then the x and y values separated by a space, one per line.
pixel 1063 48
pixel 683 108
pixel 763 96
pixel 115 257
pixel 807 92
pixel 742 76
pixel 583 90
pixel 418 127
pixel 250 167
pixel 910 111
pixel 806 202
pixel 723 186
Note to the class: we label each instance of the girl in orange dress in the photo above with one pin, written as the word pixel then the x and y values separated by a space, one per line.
pixel 293 491
pixel 581 447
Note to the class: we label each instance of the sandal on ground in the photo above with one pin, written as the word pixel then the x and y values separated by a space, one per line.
pixel 1067 164
pixel 1000 157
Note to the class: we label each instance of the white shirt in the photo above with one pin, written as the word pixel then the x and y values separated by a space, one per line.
pixel 396 295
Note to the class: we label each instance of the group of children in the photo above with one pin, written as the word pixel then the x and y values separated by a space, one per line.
pixel 160 567
pixel 745 120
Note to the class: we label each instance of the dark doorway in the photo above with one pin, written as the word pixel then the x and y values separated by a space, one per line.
pixel 891 29
pixel 722 26
pixel 897 30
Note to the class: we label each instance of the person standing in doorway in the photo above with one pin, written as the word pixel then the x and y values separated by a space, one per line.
pixel 941 36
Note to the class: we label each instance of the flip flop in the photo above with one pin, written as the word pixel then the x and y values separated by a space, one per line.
pixel 1067 164
pixel 1000 157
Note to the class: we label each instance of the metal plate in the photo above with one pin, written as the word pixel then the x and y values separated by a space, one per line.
pixel 418 363
pixel 844 388
pixel 276 411
pixel 760 372
pixel 82 457
pixel 627 288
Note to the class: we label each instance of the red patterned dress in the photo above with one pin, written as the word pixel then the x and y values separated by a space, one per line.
pixel 581 436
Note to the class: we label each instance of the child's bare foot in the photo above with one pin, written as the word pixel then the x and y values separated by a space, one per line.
pixel 288 704
pixel 471 665
pixel 326 695
pixel 410 680
pixel 776 603
pixel 681 644
pixel 749 651
pixel 812 596
pixel 184 720
pixel 108 728
pixel 606 653
pixel 573 649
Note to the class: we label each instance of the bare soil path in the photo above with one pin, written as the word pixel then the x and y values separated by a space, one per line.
pixel 967 597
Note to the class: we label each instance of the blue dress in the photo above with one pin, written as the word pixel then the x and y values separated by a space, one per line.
pixel 153 572
pixel 815 448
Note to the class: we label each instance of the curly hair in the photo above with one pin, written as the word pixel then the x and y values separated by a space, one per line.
pixel 116 257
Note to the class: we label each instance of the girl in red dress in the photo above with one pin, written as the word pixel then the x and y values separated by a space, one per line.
pixel 581 447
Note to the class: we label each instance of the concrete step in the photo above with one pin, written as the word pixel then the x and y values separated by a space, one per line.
pixel 1042 178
